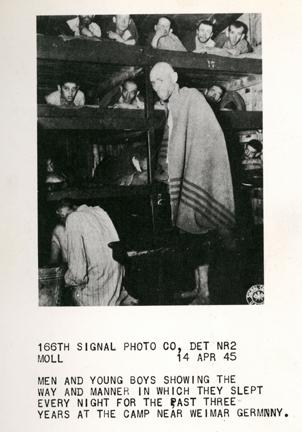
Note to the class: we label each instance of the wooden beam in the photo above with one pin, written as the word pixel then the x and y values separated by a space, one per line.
pixel 50 117
pixel 169 242
pixel 94 192
pixel 223 21
pixel 149 114
pixel 117 78
pixel 106 99
pixel 85 50
pixel 204 62
pixel 80 50
pixel 240 120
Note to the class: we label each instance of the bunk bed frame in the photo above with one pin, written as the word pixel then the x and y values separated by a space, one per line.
pixel 51 50
pixel 54 49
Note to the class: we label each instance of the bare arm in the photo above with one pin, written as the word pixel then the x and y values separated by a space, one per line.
pixel 128 42
pixel 114 36
pixel 55 253
pixel 158 35
pixel 84 31
pixel 76 256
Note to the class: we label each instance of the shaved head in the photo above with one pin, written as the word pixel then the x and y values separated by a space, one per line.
pixel 129 91
pixel 164 21
pixel 163 79
pixel 163 67
pixel 163 24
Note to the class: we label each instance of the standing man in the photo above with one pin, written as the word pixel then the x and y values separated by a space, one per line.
pixel 198 166
pixel 199 177
pixel 93 273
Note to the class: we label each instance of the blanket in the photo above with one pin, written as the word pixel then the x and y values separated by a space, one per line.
pixel 200 183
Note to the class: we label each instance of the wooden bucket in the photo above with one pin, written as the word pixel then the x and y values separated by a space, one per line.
pixel 51 284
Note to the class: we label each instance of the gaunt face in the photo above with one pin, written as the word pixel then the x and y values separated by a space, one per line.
pixel 122 22
pixel 129 92
pixel 214 93
pixel 163 25
pixel 163 80
pixel 86 19
pixel 235 35
pixel 68 91
pixel 204 33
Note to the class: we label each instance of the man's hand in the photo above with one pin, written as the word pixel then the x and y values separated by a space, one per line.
pixel 114 36
pixel 159 106
pixel 129 301
pixel 124 105
pixel 160 32
pixel 86 32
pixel 233 51
pixel 202 50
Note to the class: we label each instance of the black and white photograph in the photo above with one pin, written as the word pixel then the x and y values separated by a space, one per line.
pixel 149 157
pixel 134 174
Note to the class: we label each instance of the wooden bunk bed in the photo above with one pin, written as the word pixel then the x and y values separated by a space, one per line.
pixel 54 54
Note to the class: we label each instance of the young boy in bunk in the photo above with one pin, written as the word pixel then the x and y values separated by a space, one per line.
pixel 68 94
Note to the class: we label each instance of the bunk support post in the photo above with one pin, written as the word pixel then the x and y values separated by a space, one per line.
pixel 149 115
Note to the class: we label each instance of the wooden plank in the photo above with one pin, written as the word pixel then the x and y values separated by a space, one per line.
pixel 118 78
pixel 170 241
pixel 95 192
pixel 149 114
pixel 50 117
pixel 90 124
pixel 223 21
pixel 204 62
pixel 81 50
pixel 85 50
pixel 240 120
